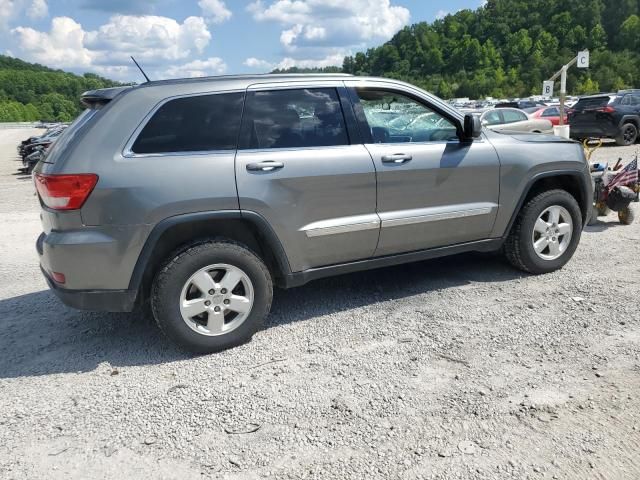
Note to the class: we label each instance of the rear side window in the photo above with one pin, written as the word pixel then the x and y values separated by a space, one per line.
pixel 293 118
pixel 551 112
pixel 512 116
pixel 193 124
pixel 630 100
pixel 492 118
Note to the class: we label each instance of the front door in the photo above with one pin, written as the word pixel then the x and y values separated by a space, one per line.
pixel 433 189
pixel 297 168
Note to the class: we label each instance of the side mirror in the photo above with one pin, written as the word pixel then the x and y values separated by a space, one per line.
pixel 472 126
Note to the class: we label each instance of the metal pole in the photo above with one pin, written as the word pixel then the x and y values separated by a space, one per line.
pixel 563 92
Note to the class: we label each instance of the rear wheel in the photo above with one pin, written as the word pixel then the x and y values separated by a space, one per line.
pixel 628 135
pixel 546 233
pixel 212 297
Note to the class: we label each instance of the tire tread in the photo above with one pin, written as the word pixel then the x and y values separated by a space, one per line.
pixel 512 248
pixel 163 277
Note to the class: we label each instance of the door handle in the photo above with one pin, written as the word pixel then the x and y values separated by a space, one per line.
pixel 397 158
pixel 267 166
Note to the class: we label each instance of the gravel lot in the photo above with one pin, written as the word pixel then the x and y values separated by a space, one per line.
pixel 459 368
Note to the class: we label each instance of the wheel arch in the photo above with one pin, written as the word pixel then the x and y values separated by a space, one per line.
pixel 572 181
pixel 634 119
pixel 176 233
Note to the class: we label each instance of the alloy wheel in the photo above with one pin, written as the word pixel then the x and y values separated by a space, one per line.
pixel 216 299
pixel 552 233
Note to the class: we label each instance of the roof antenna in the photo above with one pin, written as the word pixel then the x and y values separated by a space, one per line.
pixel 139 67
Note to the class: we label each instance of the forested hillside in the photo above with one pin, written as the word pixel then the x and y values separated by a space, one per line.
pixel 508 47
pixel 33 92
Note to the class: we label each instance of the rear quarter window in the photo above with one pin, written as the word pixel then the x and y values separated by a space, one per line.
pixel 192 124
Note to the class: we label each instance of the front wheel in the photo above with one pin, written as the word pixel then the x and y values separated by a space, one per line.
pixel 546 233
pixel 211 297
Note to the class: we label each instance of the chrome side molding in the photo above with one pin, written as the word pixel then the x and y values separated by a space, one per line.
pixel 398 218
pixel 336 226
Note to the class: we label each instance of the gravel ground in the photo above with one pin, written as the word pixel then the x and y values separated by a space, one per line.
pixel 460 368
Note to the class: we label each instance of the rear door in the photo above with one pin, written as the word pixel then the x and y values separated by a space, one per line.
pixel 301 167
pixel 433 189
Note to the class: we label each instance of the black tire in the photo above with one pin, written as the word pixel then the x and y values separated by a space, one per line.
pixel 168 283
pixel 518 247
pixel 593 219
pixel 628 135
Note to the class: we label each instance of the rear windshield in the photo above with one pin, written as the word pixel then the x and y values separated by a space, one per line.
pixel 593 102
pixel 67 136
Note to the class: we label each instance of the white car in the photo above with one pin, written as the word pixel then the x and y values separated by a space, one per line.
pixel 514 120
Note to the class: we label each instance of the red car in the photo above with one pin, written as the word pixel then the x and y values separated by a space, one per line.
pixel 551 113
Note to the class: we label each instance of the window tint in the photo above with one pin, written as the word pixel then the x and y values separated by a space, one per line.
pixel 492 117
pixel 633 100
pixel 512 116
pixel 395 118
pixel 293 118
pixel 551 112
pixel 592 103
pixel 193 124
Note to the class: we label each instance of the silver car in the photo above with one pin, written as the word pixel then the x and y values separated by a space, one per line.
pixel 514 120
pixel 198 196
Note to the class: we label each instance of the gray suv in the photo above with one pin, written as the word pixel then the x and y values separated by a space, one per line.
pixel 198 196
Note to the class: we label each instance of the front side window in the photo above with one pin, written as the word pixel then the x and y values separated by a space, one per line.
pixel 395 118
pixel 193 124
pixel 551 112
pixel 310 117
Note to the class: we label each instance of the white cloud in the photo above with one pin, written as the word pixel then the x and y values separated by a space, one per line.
pixel 38 9
pixel 331 60
pixel 62 46
pixel 10 9
pixel 441 14
pixel 149 38
pixel 198 68
pixel 154 41
pixel 316 32
pixel 253 62
pixel 345 23
pixel 215 11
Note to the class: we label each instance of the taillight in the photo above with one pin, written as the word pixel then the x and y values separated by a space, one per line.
pixel 65 192
pixel 606 109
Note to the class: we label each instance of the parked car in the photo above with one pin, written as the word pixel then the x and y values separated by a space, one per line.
pixel 28 146
pixel 551 113
pixel 512 119
pixel 520 104
pixel 198 196
pixel 611 115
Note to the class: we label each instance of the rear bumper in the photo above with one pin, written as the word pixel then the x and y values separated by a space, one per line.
pixel 601 130
pixel 94 281
pixel 94 300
